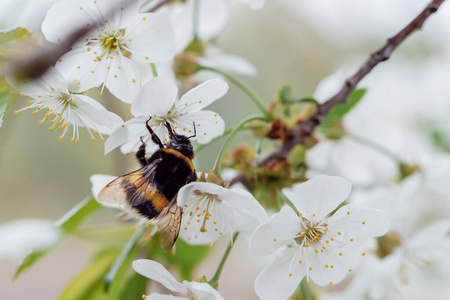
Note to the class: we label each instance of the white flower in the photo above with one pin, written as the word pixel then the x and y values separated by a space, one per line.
pixel 24 13
pixel 19 237
pixel 387 277
pixel 254 4
pixel 63 108
pixel 157 100
pixel 188 290
pixel 211 211
pixel 109 53
pixel 322 247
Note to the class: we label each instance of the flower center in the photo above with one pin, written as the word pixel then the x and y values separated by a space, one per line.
pixel 311 233
pixel 111 42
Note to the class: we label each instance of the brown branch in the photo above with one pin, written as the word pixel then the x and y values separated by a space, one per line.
pixel 300 132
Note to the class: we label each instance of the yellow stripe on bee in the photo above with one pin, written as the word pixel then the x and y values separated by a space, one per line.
pixel 179 155
pixel 158 200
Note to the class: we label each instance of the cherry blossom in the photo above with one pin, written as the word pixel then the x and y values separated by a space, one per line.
pixel 64 108
pixel 158 102
pixel 321 247
pixel 189 290
pixel 112 50
pixel 211 211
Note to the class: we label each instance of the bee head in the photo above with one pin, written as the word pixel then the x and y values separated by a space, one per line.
pixel 180 143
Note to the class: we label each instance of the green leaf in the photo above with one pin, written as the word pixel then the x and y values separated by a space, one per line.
pixel 13 35
pixel 67 223
pixel 7 99
pixel 134 287
pixel 187 257
pixel 88 281
pixel 111 236
pixel 118 270
pixel 337 113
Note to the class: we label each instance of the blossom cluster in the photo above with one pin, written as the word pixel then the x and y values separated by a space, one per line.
pixel 354 224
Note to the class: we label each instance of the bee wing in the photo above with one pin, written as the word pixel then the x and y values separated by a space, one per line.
pixel 124 190
pixel 169 223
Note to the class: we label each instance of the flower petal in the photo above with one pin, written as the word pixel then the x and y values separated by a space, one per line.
pixel 278 231
pixel 203 291
pixel 64 17
pixel 247 212
pixel 93 115
pixel 319 195
pixel 82 68
pixel 123 78
pixel 151 39
pixel 163 297
pixel 99 181
pixel 208 125
pixel 156 98
pixel 282 276
pixel 358 221
pixel 201 96
pixel 20 236
pixel 204 220
pixel 331 266
pixel 230 63
pixel 155 271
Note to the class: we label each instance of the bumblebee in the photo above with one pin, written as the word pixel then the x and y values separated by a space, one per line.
pixel 152 190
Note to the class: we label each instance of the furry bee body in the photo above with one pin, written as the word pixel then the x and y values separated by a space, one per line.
pixel 152 190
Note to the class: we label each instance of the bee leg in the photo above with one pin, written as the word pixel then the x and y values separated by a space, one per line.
pixel 155 138
pixel 140 154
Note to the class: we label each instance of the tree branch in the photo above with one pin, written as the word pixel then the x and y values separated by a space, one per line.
pixel 303 130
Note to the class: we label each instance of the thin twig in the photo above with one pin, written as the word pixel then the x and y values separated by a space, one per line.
pixel 300 132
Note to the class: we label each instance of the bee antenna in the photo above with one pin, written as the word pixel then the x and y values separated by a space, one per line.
pixel 195 131
pixel 169 128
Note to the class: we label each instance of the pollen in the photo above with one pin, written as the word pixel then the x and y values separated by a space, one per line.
pixel 92 72
pixel 21 95
pixel 88 49
pixel 60 138
pixel 274 240
pixel 134 80
pixel 364 253
pixel 326 266
pixel 314 215
pixel 101 93
pixel 143 296
pixel 308 283
pixel 339 233
pixel 146 57
pixel 200 101
pixel 340 253
pixel 77 140
pixel 290 274
pixel 350 270
pixel 332 239
pixel 210 246
pixel 115 76
pixel 348 212
pixel 310 268
pixel 363 222
pixel 231 245
pixel 221 233
pixel 198 221
pixel 351 240
pixel 299 214
pixel 144 18
pixel 315 250
pixel 300 261
pixel 78 83
pixel 102 139
pixel 16 112
pixel 331 266
pixel 331 283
